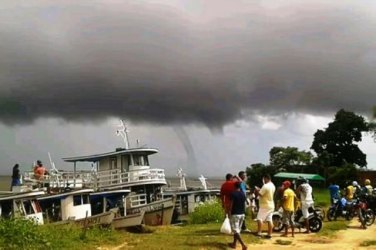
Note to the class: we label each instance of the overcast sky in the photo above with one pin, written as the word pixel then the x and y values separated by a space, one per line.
pixel 210 83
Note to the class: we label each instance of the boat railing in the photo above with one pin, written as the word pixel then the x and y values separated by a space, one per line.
pixel 62 179
pixel 136 200
pixel 117 177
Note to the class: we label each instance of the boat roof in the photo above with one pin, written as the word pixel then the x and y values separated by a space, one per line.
pixel 22 195
pixel 63 195
pixel 111 192
pixel 97 157
pixel 199 191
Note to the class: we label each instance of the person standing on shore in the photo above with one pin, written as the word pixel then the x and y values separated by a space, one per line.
pixel 16 177
pixel 237 214
pixel 266 210
pixel 226 189
pixel 304 192
pixel 288 199
pixel 241 178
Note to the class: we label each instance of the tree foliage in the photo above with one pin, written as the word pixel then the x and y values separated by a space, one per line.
pixel 256 171
pixel 281 157
pixel 337 143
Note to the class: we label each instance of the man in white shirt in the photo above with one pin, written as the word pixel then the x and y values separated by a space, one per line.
pixel 266 202
pixel 304 192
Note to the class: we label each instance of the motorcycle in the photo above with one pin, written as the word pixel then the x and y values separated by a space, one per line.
pixel 314 220
pixel 359 207
pixel 339 208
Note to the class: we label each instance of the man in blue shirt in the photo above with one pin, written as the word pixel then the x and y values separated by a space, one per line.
pixel 237 213
pixel 334 191
pixel 241 178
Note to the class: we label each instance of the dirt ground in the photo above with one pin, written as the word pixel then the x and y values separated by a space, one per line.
pixel 344 240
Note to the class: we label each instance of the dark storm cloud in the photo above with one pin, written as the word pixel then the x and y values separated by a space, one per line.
pixel 206 62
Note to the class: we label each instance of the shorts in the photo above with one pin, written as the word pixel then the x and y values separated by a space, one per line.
pixel 236 222
pixel 287 218
pixel 265 214
pixel 305 207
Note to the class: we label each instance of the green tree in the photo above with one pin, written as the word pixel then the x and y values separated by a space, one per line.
pixel 337 143
pixel 255 173
pixel 281 157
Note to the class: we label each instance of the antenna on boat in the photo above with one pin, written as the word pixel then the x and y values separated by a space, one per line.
pixel 203 182
pixel 52 163
pixel 181 176
pixel 123 132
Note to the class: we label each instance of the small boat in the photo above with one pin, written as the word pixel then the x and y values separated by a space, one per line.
pixel 74 206
pixel 22 205
pixel 104 201
pixel 188 198
pixel 157 213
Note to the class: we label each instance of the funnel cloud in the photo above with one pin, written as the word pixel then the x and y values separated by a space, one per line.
pixel 184 62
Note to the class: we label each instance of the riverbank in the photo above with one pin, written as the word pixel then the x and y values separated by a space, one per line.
pixel 208 237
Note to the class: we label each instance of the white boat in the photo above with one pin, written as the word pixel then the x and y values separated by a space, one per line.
pixel 102 202
pixel 125 168
pixel 129 168
pixel 22 205
pixel 74 206
pixel 188 198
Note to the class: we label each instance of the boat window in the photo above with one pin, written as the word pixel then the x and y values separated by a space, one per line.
pixel 85 199
pixel 146 160
pixel 77 200
pixel 28 207
pixel 140 160
pixel 6 209
pixel 19 208
pixel 137 160
pixel 113 163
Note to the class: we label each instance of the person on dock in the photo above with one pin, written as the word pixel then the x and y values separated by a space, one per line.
pixel 40 171
pixel 288 205
pixel 237 214
pixel 266 210
pixel 16 176
pixel 226 189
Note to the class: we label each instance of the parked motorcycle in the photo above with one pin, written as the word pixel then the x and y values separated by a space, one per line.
pixel 314 220
pixel 339 208
pixel 359 207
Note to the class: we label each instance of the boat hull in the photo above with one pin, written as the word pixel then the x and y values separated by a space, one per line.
pixel 157 212
pixel 103 219
pixel 129 220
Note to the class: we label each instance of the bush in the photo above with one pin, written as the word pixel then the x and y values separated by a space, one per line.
pixel 210 211
pixel 25 234
pixel 20 234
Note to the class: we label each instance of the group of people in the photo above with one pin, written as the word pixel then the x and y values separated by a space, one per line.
pixel 234 201
pixel 39 173
pixel 351 191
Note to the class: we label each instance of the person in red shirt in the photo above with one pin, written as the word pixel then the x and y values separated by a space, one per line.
pixel 226 189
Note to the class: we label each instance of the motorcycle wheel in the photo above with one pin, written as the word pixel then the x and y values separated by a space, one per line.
pixel 277 223
pixel 331 214
pixel 315 224
pixel 369 217
pixel 349 215
pixel 320 212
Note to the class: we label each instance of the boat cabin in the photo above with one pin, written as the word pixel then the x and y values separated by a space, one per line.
pixel 102 202
pixel 22 205
pixel 122 168
pixel 72 205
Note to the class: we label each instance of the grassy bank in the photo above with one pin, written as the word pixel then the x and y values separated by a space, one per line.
pixel 204 236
